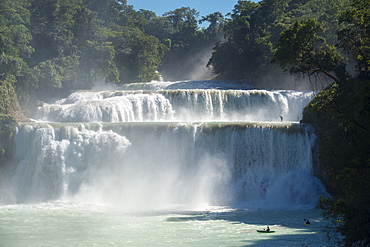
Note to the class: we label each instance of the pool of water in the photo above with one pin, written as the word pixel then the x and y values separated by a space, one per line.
pixel 69 224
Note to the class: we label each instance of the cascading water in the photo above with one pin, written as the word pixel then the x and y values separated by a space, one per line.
pixel 164 164
pixel 158 147
pixel 176 105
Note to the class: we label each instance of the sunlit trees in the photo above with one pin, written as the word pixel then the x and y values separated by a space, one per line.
pixel 48 46
pixel 252 32
pixel 341 117
pixel 138 56
pixel 355 38
pixel 216 24
pixel 232 56
pixel 15 38
pixel 183 40
pixel 81 42
pixel 301 49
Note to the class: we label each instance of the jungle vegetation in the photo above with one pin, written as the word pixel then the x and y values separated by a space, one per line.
pixel 49 47
pixel 341 117
pixel 52 46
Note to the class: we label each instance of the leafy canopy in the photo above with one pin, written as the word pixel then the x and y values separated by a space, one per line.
pixel 301 50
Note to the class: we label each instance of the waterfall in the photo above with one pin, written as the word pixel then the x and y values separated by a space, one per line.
pixel 159 147
pixel 177 105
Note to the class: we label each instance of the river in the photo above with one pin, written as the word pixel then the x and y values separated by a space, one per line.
pixel 192 163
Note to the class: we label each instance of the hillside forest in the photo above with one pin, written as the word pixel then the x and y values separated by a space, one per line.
pixel 50 47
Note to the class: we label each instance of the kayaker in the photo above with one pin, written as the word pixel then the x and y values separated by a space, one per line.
pixel 267 229
pixel 307 222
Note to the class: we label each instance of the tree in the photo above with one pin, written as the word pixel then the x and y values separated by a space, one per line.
pixel 108 11
pixel 97 64
pixel 185 43
pixel 247 49
pixel 183 18
pixel 343 134
pixel 161 28
pixel 301 50
pixel 216 24
pixel 138 55
pixel 15 38
pixel 52 22
pixel 355 38
pixel 231 57
pixel 341 118
pixel 253 30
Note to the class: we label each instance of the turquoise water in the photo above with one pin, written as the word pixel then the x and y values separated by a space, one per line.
pixel 118 175
pixel 67 224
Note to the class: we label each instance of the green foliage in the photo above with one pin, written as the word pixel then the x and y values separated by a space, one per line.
pixel 80 42
pixel 160 27
pixel 181 43
pixel 7 128
pixel 48 75
pixel 15 37
pixel 145 57
pixel 97 63
pixel 341 117
pixel 253 31
pixel 47 46
pixel 10 67
pixel 51 23
pixel 138 55
pixel 308 51
pixel 183 19
pixel 8 99
pixel 355 38
pixel 232 56
pixel 216 24
pixel 340 114
pixel 186 42
pixel 61 39
pixel 302 39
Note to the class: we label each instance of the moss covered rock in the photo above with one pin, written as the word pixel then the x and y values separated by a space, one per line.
pixel 8 126
pixel 9 103
pixel 10 112
pixel 8 100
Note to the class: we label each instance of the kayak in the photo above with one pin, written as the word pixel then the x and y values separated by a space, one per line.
pixel 307 224
pixel 263 231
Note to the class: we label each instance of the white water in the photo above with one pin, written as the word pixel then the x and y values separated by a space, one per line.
pixel 156 102
pixel 165 153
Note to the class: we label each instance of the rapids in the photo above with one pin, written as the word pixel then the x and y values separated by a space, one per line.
pixel 159 147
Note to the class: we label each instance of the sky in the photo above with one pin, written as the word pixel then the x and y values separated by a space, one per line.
pixel 204 7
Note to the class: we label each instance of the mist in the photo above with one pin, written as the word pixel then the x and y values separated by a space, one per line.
pixel 191 66
pixel 275 78
pixel 153 166
pixel 176 105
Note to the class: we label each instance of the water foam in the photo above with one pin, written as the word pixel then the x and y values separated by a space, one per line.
pixel 159 144
pixel 156 165
pixel 177 105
